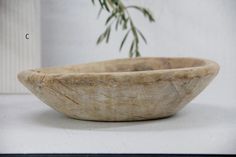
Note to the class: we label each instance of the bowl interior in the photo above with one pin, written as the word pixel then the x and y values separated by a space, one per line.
pixel 128 65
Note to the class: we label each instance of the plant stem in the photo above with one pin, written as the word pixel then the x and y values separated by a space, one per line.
pixel 120 14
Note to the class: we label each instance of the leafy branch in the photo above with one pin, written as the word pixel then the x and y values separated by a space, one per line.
pixel 120 18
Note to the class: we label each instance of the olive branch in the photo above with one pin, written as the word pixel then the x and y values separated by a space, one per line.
pixel 120 18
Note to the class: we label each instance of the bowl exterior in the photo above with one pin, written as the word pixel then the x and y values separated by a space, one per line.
pixel 126 96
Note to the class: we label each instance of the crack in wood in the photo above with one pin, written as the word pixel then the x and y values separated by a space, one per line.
pixel 67 97
pixel 60 82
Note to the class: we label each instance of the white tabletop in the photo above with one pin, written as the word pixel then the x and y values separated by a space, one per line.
pixel 29 126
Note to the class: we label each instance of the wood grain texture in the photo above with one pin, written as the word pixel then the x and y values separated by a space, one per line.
pixel 122 89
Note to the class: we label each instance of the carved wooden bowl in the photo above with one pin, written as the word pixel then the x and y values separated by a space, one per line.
pixel 122 89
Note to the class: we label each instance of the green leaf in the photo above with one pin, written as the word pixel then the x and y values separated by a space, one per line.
pixel 117 23
pixel 110 17
pixel 134 31
pixel 125 24
pixel 108 34
pixel 149 15
pixel 100 39
pixel 99 13
pixel 141 34
pixel 131 49
pixel 145 11
pixel 101 3
pixel 135 7
pixel 106 6
pixel 104 35
pixel 124 39
pixel 123 17
pixel 137 54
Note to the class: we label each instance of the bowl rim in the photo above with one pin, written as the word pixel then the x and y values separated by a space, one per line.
pixel 209 65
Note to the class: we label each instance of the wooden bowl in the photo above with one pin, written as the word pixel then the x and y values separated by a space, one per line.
pixel 122 89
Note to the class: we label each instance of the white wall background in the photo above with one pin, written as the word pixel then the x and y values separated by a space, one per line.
pixel 17 53
pixel 198 28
